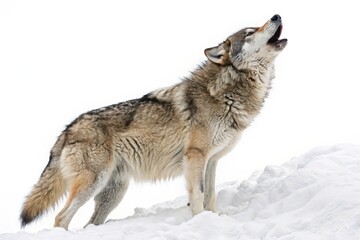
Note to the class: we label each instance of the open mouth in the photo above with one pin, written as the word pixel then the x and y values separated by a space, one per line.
pixel 275 38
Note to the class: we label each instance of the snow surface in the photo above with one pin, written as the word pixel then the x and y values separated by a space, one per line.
pixel 313 196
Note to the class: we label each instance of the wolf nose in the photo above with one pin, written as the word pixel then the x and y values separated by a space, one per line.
pixel 276 17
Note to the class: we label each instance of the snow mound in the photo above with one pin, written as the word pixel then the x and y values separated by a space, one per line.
pixel 314 196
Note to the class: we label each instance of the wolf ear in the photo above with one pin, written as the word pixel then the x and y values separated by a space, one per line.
pixel 219 54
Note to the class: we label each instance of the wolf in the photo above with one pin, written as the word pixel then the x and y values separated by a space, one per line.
pixel 183 129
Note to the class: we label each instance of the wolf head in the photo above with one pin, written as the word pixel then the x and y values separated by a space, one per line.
pixel 250 47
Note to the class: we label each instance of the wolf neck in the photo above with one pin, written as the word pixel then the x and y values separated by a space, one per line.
pixel 223 79
pixel 242 92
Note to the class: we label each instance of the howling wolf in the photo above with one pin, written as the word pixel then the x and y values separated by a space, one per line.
pixel 182 129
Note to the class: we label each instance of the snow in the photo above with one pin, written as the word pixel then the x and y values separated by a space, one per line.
pixel 313 196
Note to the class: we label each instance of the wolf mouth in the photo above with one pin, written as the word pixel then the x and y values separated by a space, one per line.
pixel 275 37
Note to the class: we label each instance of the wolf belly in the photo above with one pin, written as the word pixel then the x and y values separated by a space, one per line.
pixel 151 158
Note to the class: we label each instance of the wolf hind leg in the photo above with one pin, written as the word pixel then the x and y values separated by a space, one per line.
pixel 87 172
pixel 82 189
pixel 110 196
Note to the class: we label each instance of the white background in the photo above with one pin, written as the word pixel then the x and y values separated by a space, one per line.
pixel 59 59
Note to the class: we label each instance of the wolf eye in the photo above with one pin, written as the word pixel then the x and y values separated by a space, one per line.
pixel 249 33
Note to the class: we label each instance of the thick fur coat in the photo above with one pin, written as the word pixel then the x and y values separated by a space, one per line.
pixel 182 129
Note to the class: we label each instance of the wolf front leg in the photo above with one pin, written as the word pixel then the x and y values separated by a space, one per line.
pixel 209 190
pixel 195 162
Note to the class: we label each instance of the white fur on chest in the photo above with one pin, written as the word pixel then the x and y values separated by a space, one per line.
pixel 223 136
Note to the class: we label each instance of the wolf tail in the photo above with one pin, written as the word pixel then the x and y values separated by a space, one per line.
pixel 48 190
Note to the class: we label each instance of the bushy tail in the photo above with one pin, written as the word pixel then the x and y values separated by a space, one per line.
pixel 47 191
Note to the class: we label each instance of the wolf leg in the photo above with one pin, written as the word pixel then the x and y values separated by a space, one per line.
pixel 110 196
pixel 195 170
pixel 209 190
pixel 210 197
pixel 82 189
pixel 87 170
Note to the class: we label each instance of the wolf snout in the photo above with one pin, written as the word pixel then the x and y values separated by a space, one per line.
pixel 275 18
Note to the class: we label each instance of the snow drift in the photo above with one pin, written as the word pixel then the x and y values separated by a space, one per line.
pixel 314 196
